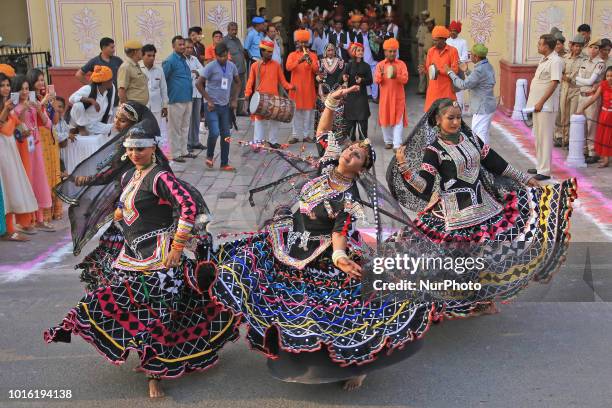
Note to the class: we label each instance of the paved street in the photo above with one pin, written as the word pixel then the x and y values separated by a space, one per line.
pixel 549 348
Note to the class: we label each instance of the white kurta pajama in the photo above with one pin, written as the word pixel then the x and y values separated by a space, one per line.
pixel 462 49
pixel 90 118
pixel 158 94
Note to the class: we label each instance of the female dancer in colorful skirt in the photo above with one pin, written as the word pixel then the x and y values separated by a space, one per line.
pixel 88 190
pixel 297 282
pixel 471 201
pixel 149 304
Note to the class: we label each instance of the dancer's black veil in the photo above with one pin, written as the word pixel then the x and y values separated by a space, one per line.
pixel 277 183
pixel 92 205
pixel 424 134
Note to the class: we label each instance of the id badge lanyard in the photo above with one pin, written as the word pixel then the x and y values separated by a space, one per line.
pixel 224 80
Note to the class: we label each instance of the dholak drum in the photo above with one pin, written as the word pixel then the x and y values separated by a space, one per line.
pixel 272 107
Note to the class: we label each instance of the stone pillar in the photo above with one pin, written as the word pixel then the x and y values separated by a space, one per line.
pixel 575 157
pixel 520 99
pixel 509 74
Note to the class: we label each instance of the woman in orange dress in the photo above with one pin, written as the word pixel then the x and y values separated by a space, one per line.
pixel 50 145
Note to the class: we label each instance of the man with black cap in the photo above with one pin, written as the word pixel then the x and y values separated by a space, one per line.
pixel 570 92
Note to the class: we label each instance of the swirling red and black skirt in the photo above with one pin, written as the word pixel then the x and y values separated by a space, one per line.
pixel 173 328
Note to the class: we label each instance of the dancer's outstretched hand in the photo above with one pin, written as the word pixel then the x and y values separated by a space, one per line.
pixel 341 92
pixel 349 267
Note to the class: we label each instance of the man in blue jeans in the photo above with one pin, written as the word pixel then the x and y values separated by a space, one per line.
pixel 219 86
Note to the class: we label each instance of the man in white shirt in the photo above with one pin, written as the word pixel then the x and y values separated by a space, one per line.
pixel 338 37
pixel 462 49
pixel 319 40
pixel 197 69
pixel 272 36
pixel 158 92
pixel 368 58
pixel 92 104
pixel 391 26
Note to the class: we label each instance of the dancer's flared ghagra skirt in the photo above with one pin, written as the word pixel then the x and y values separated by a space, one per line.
pixel 317 308
pixel 525 242
pixel 173 328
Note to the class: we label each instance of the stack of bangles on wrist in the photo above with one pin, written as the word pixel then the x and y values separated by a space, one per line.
pixel 337 255
pixel 332 103
pixel 182 235
pixel 404 169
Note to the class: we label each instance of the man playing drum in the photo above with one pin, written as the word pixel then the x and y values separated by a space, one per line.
pixel 265 77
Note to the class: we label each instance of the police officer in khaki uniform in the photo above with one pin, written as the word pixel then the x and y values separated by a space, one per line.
pixel 544 98
pixel 426 43
pixel 570 92
pixel 589 75
pixel 421 30
pixel 132 83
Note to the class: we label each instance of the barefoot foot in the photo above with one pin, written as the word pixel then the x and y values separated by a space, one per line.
pixel 488 308
pixel 354 383
pixel 155 390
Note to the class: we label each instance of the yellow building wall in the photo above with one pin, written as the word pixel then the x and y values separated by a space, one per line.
pixel 511 28
pixel 71 29
pixel 437 10
pixel 485 22
pixel 38 17
pixel 14 22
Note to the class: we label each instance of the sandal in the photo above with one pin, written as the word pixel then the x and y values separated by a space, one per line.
pixel 15 237
pixel 28 231
pixel 45 226
pixel 209 163
pixel 227 167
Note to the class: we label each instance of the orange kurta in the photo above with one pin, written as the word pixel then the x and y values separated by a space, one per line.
pixel 270 77
pixel 303 78
pixel 442 87
pixel 392 102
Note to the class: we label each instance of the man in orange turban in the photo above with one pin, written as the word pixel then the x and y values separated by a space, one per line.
pixel 441 54
pixel 266 77
pixel 391 75
pixel 91 104
pixel 462 49
pixel 101 74
pixel 303 65
pixel 7 70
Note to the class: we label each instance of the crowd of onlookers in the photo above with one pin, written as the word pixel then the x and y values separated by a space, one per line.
pixel 198 86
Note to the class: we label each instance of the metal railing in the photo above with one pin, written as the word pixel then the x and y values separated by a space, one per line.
pixel 23 59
